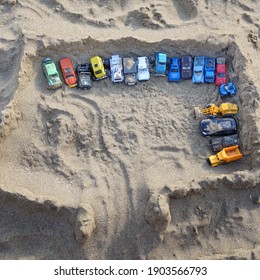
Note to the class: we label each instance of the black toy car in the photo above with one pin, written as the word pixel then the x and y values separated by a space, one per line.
pixel 84 76
pixel 218 143
pixel 218 126
pixel 186 67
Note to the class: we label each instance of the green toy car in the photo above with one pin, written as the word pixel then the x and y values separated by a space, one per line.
pixel 51 73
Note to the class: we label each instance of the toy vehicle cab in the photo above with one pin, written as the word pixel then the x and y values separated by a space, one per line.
pixel 68 72
pixel 116 69
pixel 84 76
pixel 160 64
pixel 218 126
pixel 174 74
pixel 51 73
pixel 186 67
pixel 98 69
pixel 143 73
pixel 210 67
pixel 130 70
pixel 221 71
pixel 198 70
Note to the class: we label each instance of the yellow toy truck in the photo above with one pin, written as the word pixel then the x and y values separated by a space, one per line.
pixel 212 109
pixel 227 155
pixel 98 69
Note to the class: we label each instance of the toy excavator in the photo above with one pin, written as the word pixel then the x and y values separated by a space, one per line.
pixel 212 109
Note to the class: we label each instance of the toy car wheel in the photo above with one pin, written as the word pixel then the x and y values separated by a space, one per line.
pixel 106 63
pixel 151 60
pixel 108 73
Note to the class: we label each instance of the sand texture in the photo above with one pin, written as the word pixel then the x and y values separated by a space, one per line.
pixel 120 172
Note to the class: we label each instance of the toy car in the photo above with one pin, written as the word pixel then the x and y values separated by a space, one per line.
pixel 174 74
pixel 210 66
pixel 51 73
pixel 229 89
pixel 221 71
pixel 84 76
pixel 143 68
pixel 160 64
pixel 130 70
pixel 98 70
pixel 218 143
pixel 68 72
pixel 218 126
pixel 186 67
pixel 198 70
pixel 116 69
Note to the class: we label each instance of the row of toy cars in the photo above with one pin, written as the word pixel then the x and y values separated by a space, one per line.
pixel 222 132
pixel 125 69
pixel 130 70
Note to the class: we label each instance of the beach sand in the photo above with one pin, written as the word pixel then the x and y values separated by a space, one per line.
pixel 120 172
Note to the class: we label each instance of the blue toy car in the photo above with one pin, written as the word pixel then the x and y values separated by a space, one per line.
pixel 210 67
pixel 174 74
pixel 229 89
pixel 160 64
pixel 198 69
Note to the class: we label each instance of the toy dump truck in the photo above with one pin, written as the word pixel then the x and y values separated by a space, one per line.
pixel 130 71
pixel 212 109
pixel 227 155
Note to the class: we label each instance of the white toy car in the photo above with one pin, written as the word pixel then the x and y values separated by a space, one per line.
pixel 116 69
pixel 143 69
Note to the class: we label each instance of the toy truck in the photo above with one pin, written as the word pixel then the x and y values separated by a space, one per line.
pixel 210 67
pixel 198 70
pixel 221 71
pixel 227 155
pixel 130 71
pixel 160 64
pixel 212 109
pixel 116 69
pixel 218 143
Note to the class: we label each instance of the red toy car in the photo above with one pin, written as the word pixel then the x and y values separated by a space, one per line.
pixel 68 72
pixel 221 71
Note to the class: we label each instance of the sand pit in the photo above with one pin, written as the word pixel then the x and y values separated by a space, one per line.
pixel 120 172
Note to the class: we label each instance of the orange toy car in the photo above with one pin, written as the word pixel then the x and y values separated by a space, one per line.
pixel 68 72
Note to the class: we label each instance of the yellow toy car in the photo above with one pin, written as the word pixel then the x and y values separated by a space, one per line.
pixel 98 68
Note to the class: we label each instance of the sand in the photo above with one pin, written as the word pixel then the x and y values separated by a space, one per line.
pixel 120 172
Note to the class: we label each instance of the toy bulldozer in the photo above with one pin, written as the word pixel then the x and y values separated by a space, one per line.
pixel 225 156
pixel 212 109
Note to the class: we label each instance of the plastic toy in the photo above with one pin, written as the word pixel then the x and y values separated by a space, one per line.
pixel 218 143
pixel 174 74
pixel 227 155
pixel 210 66
pixel 98 69
pixel 221 71
pixel 218 126
pixel 229 89
pixel 160 64
pixel 143 68
pixel 130 71
pixel 212 109
pixel 51 73
pixel 116 69
pixel 186 67
pixel 198 70
pixel 68 72
pixel 84 76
